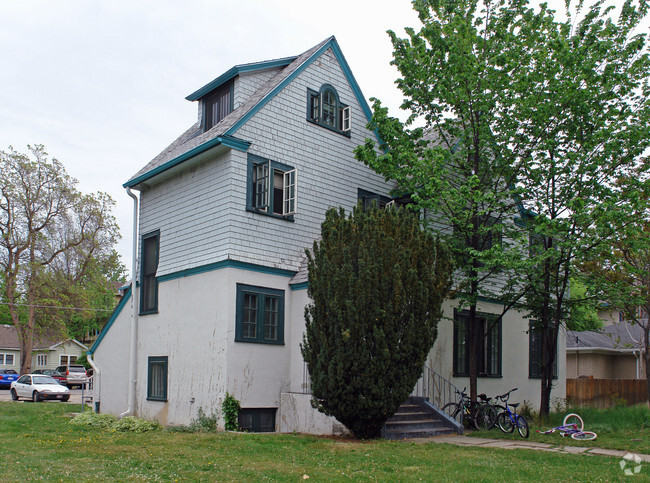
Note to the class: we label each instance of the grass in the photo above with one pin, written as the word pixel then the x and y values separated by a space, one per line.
pixel 40 443
pixel 621 428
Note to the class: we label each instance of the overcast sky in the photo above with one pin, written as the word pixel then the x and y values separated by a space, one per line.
pixel 102 84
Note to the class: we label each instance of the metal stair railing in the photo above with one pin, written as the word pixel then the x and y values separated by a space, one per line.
pixel 439 392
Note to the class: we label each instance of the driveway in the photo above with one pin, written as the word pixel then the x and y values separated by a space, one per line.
pixel 75 396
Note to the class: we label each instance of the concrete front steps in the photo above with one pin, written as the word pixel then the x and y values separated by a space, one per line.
pixel 416 418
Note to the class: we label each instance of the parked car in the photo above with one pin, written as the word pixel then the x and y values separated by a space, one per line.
pixel 56 375
pixel 75 374
pixel 7 376
pixel 38 387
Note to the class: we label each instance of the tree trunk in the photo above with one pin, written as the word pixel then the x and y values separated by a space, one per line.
pixel 473 353
pixel 646 337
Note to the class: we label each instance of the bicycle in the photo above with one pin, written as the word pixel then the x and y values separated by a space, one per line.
pixel 574 427
pixel 508 419
pixel 485 416
pixel 481 415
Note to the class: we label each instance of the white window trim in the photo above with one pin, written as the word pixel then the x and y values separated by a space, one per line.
pixel 345 119
pixel 262 173
pixel 289 192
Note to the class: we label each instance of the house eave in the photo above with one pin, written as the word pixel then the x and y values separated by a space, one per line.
pixel 238 70
pixel 198 153
pixel 600 350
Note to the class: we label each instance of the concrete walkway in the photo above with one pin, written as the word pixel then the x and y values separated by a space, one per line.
pixel 524 444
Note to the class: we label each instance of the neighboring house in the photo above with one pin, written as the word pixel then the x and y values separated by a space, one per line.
pixel 225 214
pixel 48 352
pixel 613 352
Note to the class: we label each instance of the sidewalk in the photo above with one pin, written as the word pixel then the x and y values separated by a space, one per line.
pixel 523 444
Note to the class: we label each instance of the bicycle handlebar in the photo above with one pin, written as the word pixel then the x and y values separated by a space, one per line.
pixel 506 396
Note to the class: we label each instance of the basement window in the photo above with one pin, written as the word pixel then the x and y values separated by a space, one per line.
pixel 257 420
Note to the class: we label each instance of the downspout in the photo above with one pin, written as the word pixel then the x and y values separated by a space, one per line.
pixel 134 312
pixel 97 380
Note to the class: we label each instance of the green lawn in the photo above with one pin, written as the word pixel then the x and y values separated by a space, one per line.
pixel 624 428
pixel 38 441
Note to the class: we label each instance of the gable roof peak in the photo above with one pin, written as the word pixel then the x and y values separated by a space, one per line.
pixel 195 142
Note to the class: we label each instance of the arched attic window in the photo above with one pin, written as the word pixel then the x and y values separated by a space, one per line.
pixel 325 109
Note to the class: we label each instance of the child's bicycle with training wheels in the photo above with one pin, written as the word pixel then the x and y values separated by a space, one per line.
pixel 508 419
pixel 574 427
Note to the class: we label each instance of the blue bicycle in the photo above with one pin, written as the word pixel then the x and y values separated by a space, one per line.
pixel 508 419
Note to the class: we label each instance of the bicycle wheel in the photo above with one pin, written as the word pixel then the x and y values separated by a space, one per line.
pixel 522 426
pixel 485 417
pixel 451 409
pixel 573 419
pixel 505 423
pixel 584 436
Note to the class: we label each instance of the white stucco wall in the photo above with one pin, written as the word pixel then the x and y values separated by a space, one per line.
pixel 514 361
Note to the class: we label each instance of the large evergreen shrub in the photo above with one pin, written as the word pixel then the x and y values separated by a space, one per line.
pixel 377 281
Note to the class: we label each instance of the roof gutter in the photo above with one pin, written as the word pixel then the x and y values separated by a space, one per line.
pixel 228 141
pixel 134 312
pixel 601 350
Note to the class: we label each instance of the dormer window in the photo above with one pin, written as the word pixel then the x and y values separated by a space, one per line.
pixel 217 105
pixel 325 109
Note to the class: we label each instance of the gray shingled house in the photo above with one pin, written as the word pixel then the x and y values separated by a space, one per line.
pixel 224 215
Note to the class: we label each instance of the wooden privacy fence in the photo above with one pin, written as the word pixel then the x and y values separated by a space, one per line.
pixel 605 393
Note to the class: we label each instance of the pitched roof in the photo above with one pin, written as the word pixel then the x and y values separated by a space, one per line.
pixel 9 340
pixel 195 142
pixel 615 337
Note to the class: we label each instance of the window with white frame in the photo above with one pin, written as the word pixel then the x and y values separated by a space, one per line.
pixel 6 359
pixel 41 360
pixel 272 187
pixel 325 109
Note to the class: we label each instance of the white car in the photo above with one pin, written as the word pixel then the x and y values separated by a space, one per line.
pixel 38 387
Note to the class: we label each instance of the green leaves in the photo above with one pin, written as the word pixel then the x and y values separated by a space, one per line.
pixel 377 282
pixel 540 124
pixel 55 244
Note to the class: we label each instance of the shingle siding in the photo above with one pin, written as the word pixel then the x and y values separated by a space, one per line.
pixel 247 84
pixel 201 212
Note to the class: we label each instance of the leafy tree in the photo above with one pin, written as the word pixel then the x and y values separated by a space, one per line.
pixel 518 106
pixel 623 275
pixel 460 77
pixel 46 226
pixel 589 120
pixel 92 292
pixel 377 281
pixel 584 313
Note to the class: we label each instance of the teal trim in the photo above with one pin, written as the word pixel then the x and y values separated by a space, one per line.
pixel 228 141
pixel 157 375
pixel 111 320
pixel 250 189
pixel 226 264
pixel 331 43
pixel 261 313
pixel 234 72
pixel 196 271
pixel 299 286
pixel 353 82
